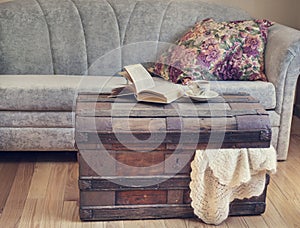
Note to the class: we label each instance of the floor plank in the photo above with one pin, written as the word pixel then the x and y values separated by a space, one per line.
pixel 158 223
pixel 288 209
pixel 44 193
pixel 70 215
pixel 175 223
pixel 134 224
pixel 113 224
pixel 72 191
pixel 7 175
pixel 54 199
pixel 272 216
pixel 14 206
pixel 196 223
pixel 255 221
pixel 235 222
pixel 37 192
pixel 29 213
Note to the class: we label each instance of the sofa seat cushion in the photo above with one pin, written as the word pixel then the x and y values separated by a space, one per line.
pixel 263 91
pixel 39 119
pixel 49 92
pixel 37 139
pixel 58 92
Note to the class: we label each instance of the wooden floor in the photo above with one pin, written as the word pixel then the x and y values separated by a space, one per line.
pixel 40 190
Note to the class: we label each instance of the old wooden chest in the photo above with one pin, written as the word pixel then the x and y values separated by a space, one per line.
pixel 134 158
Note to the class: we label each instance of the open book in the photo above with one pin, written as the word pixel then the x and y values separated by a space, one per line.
pixel 149 89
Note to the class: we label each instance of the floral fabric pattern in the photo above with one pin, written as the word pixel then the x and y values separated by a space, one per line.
pixel 217 51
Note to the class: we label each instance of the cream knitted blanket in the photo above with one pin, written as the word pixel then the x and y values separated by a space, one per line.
pixel 221 175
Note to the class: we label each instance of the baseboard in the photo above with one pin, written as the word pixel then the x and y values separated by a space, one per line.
pixel 297 110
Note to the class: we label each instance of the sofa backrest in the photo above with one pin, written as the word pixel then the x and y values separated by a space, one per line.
pixel 94 37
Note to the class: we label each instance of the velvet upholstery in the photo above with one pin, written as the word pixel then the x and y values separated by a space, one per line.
pixel 46 44
pixel 50 92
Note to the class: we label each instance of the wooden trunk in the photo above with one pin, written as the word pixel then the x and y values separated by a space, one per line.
pixel 134 158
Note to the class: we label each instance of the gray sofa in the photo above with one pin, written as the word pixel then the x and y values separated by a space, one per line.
pixel 51 49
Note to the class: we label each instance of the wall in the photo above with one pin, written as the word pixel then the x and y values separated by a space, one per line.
pixel 282 11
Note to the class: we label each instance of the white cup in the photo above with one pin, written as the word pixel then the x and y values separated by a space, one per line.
pixel 203 85
pixel 199 87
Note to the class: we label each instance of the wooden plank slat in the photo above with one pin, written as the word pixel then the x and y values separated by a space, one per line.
pixel 97 198
pixel 131 125
pixel 186 196
pixel 136 212
pixel 141 197
pixel 92 106
pixel 90 146
pixel 199 106
pixel 208 124
pixel 253 122
pixel 155 211
pixel 178 163
pixel 139 163
pixel 171 113
pixel 174 137
pixel 97 162
pixel 115 183
pixel 85 168
pixel 175 197
pixel 174 123
pixel 136 106
pixel 91 97
pixel 86 145
pixel 105 98
pixel 240 106
pixel 87 124
pixel 141 147
pixel 106 124
pixel 195 106
pixel 202 124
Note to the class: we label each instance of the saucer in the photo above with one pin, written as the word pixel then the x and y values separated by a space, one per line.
pixel 202 97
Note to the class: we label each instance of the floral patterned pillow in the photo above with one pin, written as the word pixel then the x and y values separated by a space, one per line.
pixel 217 51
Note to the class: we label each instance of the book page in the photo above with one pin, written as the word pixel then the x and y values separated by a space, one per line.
pixel 141 78
pixel 163 92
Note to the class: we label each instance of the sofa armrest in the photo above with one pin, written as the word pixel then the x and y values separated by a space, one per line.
pixel 282 61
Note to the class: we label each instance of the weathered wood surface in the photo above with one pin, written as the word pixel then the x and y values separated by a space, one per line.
pixel 113 202
pixel 237 117
pixel 122 177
